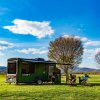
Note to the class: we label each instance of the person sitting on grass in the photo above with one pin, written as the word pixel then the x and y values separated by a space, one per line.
pixel 83 80
pixel 72 79
pixel 53 77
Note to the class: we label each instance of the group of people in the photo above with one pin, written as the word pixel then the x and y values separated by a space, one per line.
pixel 72 79
pixel 82 80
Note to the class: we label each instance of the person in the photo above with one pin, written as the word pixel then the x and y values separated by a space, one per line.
pixel 83 79
pixel 53 77
pixel 72 79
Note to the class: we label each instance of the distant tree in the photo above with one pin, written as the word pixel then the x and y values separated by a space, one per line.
pixel 67 52
pixel 97 58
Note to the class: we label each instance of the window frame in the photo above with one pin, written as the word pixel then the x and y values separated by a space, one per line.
pixel 9 69
pixel 30 67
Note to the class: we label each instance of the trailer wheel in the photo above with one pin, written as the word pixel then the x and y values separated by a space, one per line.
pixel 39 82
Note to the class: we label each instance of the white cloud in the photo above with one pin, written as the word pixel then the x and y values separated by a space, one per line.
pixel 84 39
pixel 33 51
pixel 93 51
pixel 4 45
pixel 92 43
pixel 1 54
pixel 97 50
pixel 89 50
pixel 35 28
pixel 65 36
pixel 90 53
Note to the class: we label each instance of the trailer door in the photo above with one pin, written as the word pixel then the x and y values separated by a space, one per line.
pixel 27 72
pixel 11 71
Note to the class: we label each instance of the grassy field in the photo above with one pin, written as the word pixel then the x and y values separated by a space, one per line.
pixel 50 92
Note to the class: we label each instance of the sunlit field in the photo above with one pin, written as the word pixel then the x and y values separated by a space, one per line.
pixel 51 91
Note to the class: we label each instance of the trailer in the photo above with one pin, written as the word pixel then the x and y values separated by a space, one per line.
pixel 38 70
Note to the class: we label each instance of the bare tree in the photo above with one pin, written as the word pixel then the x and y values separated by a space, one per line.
pixel 67 52
pixel 97 58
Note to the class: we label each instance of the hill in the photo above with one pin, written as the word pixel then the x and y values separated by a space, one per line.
pixel 86 70
pixel 3 69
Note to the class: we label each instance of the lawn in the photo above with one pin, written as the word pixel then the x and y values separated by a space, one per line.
pixel 50 92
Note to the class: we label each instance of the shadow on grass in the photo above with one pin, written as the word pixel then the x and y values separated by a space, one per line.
pixel 95 84
pixel 90 84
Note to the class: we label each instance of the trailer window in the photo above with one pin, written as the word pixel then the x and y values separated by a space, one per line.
pixel 11 68
pixel 28 68
pixel 32 68
pixel 25 68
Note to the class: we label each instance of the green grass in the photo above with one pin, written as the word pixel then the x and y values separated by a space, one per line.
pixel 50 92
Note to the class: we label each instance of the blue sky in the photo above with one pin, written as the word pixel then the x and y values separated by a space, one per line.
pixel 27 26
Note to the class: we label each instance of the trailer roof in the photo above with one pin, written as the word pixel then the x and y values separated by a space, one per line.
pixel 36 60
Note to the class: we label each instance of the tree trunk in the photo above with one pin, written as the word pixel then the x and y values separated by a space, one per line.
pixel 67 78
pixel 67 74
